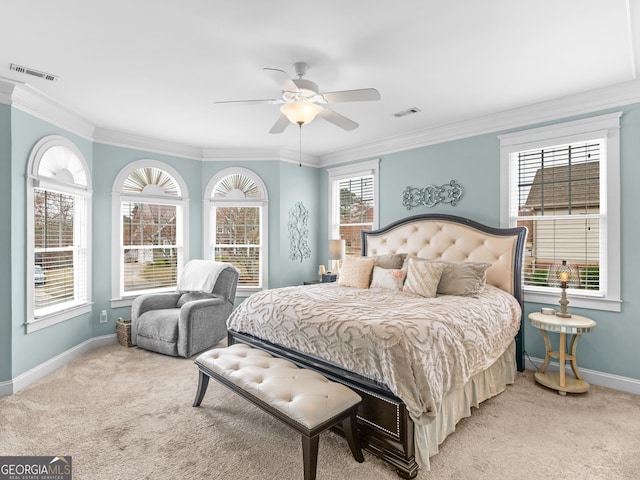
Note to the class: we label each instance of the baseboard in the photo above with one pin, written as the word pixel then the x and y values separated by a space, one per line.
pixel 616 382
pixel 36 373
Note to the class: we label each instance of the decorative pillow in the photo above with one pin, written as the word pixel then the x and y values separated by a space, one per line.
pixel 191 296
pixel 390 260
pixel 389 278
pixel 463 278
pixel 356 272
pixel 423 277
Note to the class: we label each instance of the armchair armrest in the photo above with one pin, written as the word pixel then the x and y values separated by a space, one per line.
pixel 153 301
pixel 201 320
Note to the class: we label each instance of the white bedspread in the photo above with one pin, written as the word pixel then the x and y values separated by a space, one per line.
pixel 420 348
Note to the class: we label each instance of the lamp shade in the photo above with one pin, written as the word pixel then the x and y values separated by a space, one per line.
pixel 300 112
pixel 336 249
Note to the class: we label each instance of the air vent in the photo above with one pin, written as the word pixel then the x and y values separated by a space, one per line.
pixel 406 112
pixel 35 73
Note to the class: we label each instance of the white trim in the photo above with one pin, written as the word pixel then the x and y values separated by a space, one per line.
pixel 35 103
pixel 36 373
pixel 614 96
pixel 149 145
pixel 36 155
pixel 28 99
pixel 263 203
pixel 369 167
pixel 182 223
pixel 601 126
pixel 57 317
pixel 593 377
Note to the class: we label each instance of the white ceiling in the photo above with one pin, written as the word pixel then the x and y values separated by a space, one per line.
pixel 153 68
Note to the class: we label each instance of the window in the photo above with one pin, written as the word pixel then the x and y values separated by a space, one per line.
pixel 151 224
pixel 562 183
pixel 236 225
pixel 353 203
pixel 58 205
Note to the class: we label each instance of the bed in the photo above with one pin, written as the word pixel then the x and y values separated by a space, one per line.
pixel 419 363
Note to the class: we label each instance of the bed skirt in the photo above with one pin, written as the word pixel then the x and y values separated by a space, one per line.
pixel 457 405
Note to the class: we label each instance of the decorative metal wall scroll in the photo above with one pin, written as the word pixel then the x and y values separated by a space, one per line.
pixel 432 195
pixel 298 226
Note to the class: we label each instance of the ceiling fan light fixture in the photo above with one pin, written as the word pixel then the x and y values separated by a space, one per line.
pixel 301 112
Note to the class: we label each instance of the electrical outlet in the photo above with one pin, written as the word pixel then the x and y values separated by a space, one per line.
pixel 103 316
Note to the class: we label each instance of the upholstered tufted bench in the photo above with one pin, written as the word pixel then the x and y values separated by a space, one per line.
pixel 303 399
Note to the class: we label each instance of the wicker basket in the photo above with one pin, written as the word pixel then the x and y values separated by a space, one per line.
pixel 123 329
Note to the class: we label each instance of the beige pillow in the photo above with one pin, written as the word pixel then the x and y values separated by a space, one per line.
pixel 463 278
pixel 389 278
pixel 356 272
pixel 390 260
pixel 423 277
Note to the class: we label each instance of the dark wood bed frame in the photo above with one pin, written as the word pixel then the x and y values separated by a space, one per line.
pixel 385 428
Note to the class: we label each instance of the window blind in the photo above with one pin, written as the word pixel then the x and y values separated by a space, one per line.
pixel 558 196
pixel 149 246
pixel 356 210
pixel 60 251
pixel 237 241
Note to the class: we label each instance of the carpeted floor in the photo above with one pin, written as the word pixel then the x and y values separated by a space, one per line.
pixel 126 414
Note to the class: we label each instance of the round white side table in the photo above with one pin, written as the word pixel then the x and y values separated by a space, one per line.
pixel 575 325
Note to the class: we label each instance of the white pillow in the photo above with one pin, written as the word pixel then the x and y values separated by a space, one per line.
pixel 389 278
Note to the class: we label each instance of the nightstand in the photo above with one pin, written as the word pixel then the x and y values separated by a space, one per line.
pixel 575 326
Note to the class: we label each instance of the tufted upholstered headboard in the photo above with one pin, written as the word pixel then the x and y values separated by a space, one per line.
pixel 452 238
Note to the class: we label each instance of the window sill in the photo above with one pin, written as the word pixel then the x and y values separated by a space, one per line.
pixel 34 325
pixel 575 300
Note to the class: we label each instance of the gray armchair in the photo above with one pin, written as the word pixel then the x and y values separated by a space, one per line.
pixel 185 323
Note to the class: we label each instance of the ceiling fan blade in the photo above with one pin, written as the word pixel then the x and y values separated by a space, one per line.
pixel 281 124
pixel 271 101
pixel 360 95
pixel 337 119
pixel 282 79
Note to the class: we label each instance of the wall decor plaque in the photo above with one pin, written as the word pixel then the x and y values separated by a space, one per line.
pixel 432 195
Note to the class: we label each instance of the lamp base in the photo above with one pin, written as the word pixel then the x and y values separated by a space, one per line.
pixel 563 315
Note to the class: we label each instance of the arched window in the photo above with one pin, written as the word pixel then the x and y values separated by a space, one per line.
pixel 150 217
pixel 58 226
pixel 236 225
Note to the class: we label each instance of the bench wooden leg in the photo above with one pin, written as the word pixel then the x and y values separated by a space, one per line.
pixel 310 456
pixel 350 427
pixel 203 383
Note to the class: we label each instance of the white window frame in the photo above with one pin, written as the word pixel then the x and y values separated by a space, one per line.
pixel 337 174
pixel 67 310
pixel 210 204
pixel 606 127
pixel 118 297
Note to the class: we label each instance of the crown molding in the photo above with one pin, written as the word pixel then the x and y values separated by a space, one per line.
pixel 35 103
pixel 29 100
pixel 582 103
pixel 151 145
pixel 6 90
pixel 258 154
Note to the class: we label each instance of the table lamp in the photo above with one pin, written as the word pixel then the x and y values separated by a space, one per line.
pixel 336 254
pixel 564 274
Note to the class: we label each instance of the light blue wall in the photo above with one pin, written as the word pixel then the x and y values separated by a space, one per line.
pixel 108 162
pixel 300 184
pixel 5 241
pixel 475 164
pixel 19 132
pixel 38 347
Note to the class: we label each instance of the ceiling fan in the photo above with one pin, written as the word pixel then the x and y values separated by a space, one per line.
pixel 301 100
